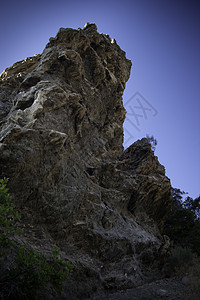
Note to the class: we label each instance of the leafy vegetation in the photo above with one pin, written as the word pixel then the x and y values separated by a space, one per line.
pixel 33 271
pixel 25 273
pixel 183 228
pixel 183 224
pixel 8 216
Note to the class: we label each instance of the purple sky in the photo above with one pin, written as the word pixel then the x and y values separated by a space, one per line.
pixel 162 39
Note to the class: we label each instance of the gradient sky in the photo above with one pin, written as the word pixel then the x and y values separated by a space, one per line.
pixel 162 39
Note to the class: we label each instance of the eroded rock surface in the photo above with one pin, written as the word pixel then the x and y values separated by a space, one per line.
pixel 61 117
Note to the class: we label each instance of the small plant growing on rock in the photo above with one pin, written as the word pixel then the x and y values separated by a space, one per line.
pixel 152 141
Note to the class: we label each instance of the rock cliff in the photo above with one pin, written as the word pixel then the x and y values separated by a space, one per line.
pixel 61 117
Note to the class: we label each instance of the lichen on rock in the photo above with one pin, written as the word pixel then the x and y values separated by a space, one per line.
pixel 61 141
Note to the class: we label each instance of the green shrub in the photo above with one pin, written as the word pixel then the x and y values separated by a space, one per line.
pixel 8 216
pixel 33 271
pixel 27 273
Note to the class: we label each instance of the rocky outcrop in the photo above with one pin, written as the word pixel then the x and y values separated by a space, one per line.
pixel 61 117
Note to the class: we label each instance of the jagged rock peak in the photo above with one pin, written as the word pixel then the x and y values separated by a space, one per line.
pixel 92 73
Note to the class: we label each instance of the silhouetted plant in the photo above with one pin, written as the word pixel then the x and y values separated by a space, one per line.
pixel 193 205
pixel 152 141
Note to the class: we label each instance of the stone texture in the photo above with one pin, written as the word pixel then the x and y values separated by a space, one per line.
pixel 61 117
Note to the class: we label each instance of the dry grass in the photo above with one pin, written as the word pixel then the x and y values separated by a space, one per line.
pixel 194 280
pixel 184 263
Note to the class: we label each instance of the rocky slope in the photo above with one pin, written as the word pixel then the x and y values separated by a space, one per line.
pixel 61 117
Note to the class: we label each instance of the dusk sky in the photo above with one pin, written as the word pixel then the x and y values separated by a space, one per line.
pixel 162 39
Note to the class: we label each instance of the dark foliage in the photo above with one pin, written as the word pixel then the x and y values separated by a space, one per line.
pixel 183 224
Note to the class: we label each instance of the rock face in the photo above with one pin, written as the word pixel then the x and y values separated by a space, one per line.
pixel 61 117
